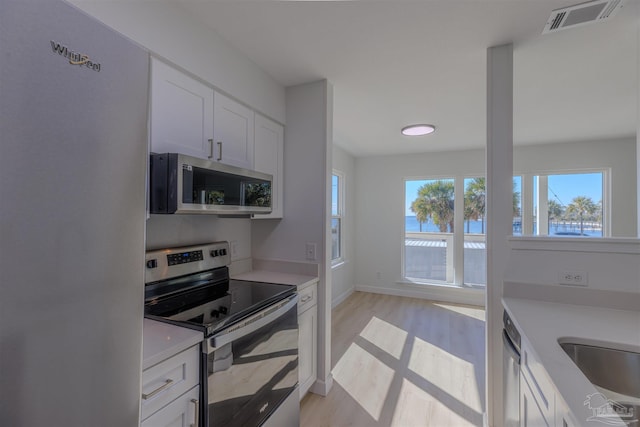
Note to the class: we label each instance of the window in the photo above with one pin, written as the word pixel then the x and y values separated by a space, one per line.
pixel 475 253
pixel 429 226
pixel 337 212
pixel 566 205
pixel 445 220
pixel 445 230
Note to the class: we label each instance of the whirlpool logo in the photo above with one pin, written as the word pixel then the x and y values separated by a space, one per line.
pixel 75 58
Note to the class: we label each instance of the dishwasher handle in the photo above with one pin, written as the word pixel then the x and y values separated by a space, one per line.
pixel 510 348
pixel 251 324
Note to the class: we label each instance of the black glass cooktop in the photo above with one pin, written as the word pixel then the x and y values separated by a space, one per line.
pixel 211 306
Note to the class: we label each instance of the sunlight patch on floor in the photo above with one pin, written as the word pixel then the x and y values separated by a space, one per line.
pixel 446 371
pixel 385 336
pixel 365 378
pixel 416 407
pixel 474 312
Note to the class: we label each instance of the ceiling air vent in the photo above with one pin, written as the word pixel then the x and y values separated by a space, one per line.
pixel 580 14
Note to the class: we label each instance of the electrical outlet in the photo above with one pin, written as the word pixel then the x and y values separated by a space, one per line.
pixel 575 278
pixel 234 248
pixel 311 251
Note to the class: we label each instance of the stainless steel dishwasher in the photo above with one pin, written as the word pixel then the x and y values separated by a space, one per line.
pixel 511 372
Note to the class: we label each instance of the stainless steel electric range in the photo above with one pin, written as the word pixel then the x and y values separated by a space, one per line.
pixel 249 364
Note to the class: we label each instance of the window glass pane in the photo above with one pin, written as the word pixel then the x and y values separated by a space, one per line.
pixel 429 210
pixel 517 205
pixel 575 204
pixel 336 213
pixel 335 238
pixel 475 255
pixel 335 182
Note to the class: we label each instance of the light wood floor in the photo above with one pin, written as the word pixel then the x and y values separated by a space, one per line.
pixel 402 362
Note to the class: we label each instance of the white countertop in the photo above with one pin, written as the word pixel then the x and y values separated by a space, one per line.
pixel 543 323
pixel 163 340
pixel 301 281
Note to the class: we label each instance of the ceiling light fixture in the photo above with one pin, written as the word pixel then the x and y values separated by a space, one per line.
pixel 418 130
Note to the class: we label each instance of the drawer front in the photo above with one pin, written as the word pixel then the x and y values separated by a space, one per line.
pixel 182 412
pixel 307 298
pixel 169 379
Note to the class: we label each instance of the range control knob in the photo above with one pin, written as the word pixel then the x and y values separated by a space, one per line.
pixel 215 253
pixel 223 252
pixel 223 309
pixel 215 313
pixel 152 263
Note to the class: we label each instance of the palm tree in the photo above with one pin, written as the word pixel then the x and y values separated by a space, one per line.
pixel 555 211
pixel 581 207
pixel 418 206
pixel 475 196
pixel 435 202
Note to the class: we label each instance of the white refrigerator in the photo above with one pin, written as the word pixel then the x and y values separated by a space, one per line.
pixel 73 162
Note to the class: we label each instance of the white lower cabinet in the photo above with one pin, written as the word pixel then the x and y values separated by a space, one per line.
pixel 182 412
pixel 531 414
pixel 170 391
pixel 537 392
pixel 308 338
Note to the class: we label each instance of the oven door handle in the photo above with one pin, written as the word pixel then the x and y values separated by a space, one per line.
pixel 251 324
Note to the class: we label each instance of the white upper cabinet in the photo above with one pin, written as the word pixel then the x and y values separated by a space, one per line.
pixel 181 112
pixel 268 158
pixel 233 132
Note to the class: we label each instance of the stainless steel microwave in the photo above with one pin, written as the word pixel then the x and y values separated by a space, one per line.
pixel 181 184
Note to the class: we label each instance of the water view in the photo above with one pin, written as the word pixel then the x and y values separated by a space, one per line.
pixel 560 228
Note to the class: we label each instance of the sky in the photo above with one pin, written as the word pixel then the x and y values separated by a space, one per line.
pixel 562 188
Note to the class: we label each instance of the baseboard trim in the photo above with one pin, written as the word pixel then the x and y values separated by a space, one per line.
pixel 338 300
pixel 322 387
pixel 434 293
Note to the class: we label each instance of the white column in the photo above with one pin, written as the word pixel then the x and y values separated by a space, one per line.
pixel 499 211
pixel 542 206
pixel 458 238
pixel 526 198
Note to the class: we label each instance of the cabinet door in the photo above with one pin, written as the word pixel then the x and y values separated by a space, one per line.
pixel 307 355
pixel 182 412
pixel 530 413
pixel 181 112
pixel 268 158
pixel 233 132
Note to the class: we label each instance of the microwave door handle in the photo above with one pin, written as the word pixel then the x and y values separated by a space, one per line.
pixel 252 324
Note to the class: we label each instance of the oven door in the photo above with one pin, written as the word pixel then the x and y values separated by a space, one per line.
pixel 252 366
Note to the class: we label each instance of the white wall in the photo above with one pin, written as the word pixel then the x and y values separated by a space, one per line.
pixel 343 274
pixel 181 230
pixel 379 203
pixel 170 32
pixel 606 264
pixel 379 197
pixel 307 198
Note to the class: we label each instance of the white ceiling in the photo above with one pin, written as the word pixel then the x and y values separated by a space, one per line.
pixel 398 62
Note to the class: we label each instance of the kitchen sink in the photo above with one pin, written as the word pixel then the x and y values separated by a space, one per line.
pixel 612 369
